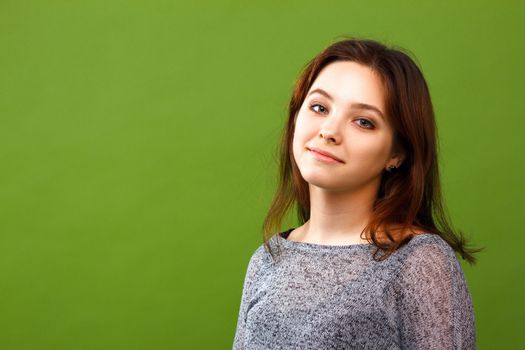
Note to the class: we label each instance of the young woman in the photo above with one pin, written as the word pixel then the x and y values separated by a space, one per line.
pixel 359 159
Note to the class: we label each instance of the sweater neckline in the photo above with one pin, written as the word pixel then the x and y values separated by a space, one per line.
pixel 283 237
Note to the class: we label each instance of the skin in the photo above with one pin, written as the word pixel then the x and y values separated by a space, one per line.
pixel 342 193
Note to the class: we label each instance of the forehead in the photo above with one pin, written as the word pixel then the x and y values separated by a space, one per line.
pixel 351 82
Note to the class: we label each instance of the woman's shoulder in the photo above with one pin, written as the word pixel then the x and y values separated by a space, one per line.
pixel 429 253
pixel 420 242
pixel 424 241
pixel 260 256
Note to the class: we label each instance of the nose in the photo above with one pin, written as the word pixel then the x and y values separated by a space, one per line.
pixel 330 131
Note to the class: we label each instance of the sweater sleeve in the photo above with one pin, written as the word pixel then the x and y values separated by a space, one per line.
pixel 433 301
pixel 249 278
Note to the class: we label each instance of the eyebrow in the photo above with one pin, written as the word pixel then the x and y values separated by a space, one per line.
pixel 358 105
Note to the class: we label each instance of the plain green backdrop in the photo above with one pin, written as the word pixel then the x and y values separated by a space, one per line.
pixel 137 148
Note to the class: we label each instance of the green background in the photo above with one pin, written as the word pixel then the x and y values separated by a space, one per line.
pixel 138 139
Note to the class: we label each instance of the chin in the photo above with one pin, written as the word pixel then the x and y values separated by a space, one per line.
pixel 326 182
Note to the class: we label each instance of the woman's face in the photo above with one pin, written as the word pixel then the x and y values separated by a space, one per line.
pixel 344 114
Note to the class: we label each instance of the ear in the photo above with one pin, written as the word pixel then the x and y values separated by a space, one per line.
pixel 397 155
pixel 396 158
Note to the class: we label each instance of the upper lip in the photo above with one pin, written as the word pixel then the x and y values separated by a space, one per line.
pixel 325 153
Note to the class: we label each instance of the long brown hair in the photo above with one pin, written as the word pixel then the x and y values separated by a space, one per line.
pixel 408 196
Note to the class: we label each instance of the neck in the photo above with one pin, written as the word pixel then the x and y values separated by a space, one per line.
pixel 339 216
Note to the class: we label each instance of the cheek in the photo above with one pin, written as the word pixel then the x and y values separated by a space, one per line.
pixel 300 136
pixel 373 153
pixel 305 127
pixel 297 145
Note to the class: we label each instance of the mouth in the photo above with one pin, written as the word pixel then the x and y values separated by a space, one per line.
pixel 324 155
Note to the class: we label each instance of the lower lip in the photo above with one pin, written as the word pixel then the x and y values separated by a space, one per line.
pixel 323 158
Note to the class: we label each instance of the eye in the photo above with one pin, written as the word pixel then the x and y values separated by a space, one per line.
pixel 367 124
pixel 312 106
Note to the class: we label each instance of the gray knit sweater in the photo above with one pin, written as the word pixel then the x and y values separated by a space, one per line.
pixel 337 297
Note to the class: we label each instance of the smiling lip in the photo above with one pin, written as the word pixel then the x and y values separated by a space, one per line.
pixel 324 153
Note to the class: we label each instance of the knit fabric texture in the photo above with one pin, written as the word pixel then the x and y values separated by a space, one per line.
pixel 316 296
